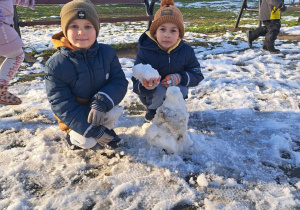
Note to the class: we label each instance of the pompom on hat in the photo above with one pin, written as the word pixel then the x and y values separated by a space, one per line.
pixel 79 9
pixel 167 13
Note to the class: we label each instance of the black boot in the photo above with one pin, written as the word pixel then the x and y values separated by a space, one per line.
pixel 270 49
pixel 249 40
pixel 113 144
pixel 150 115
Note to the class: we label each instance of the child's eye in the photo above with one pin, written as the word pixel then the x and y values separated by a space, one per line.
pixel 88 27
pixel 162 29
pixel 73 26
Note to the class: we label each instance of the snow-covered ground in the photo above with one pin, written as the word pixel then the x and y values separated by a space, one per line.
pixel 244 122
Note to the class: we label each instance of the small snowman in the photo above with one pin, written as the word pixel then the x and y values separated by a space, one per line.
pixel 169 127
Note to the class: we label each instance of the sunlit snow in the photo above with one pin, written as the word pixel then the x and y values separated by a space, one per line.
pixel 244 122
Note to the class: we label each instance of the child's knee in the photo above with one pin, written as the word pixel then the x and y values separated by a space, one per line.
pixel 81 141
pixel 184 91
pixel 160 92
pixel 112 116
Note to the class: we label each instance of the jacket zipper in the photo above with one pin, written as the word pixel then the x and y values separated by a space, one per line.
pixel 91 72
pixel 169 63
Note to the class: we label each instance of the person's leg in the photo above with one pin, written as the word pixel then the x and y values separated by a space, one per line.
pixel 183 90
pixel 112 116
pixel 154 101
pixel 157 98
pixel 273 29
pixel 81 141
pixel 8 68
pixel 254 34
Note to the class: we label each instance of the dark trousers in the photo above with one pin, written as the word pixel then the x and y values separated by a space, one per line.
pixel 270 30
pixel 157 99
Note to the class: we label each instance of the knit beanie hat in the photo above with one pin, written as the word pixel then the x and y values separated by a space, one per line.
pixel 167 13
pixel 79 9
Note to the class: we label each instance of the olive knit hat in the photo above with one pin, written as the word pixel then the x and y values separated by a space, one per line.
pixel 79 9
pixel 167 13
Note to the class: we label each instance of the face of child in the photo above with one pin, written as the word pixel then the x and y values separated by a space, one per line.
pixel 81 34
pixel 167 35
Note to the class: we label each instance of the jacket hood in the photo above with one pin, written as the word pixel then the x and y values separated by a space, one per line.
pixel 146 41
pixel 59 40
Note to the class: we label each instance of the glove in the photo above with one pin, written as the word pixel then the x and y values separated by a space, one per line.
pixel 105 138
pixel 283 8
pixel 96 116
pixel 2 18
pixel 173 79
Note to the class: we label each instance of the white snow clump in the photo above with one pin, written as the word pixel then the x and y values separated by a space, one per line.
pixel 145 71
pixel 202 181
pixel 169 127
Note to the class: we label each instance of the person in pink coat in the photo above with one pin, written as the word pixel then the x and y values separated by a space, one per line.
pixel 10 48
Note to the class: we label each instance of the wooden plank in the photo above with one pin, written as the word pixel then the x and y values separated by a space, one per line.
pixel 124 19
pixel 53 2
pixel 148 7
pixel 102 20
pixel 287 9
pixel 293 8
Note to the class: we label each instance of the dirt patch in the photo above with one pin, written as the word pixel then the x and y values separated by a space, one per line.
pixel 127 53
pixel 283 36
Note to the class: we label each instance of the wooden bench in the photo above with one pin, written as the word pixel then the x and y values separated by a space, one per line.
pixel 149 7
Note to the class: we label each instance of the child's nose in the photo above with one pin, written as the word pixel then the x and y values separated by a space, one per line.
pixel 80 31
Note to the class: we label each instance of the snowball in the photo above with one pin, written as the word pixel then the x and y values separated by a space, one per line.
pixel 231 182
pixel 145 71
pixel 191 180
pixel 201 180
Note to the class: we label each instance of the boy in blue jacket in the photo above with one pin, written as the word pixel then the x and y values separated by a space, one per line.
pixel 84 79
pixel 162 47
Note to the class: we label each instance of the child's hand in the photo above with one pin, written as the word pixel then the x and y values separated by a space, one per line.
pixel 171 80
pixel 152 83
pixel 2 18
pixel 283 8
pixel 96 116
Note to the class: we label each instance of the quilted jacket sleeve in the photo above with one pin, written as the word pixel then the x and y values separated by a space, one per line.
pixel 191 76
pixel 113 92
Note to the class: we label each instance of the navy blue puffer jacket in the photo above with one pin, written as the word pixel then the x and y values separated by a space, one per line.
pixel 93 75
pixel 181 60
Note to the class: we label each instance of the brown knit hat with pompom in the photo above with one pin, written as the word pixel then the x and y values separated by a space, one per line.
pixel 79 9
pixel 167 13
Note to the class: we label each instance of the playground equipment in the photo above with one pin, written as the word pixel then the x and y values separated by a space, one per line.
pixel 291 6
